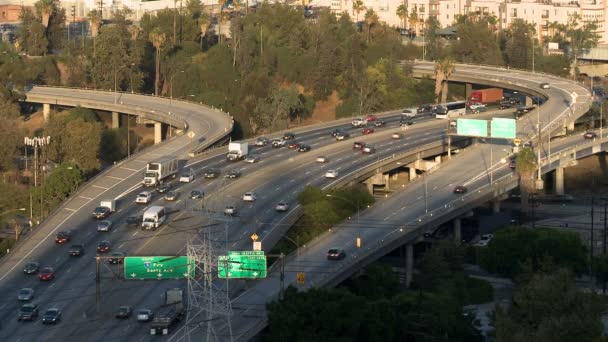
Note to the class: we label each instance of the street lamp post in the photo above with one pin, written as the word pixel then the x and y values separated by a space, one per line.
pixel 16 229
pixel 358 214
pixel 115 80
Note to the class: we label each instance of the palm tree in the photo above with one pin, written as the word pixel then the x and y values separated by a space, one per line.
pixel 204 25
pixel 371 19
pixel 525 166
pixel 358 7
pixel 438 80
pixel 134 31
pixel 157 38
pixel 413 21
pixel 95 22
pixel 402 14
pixel 448 66
pixel 238 6
pixel 45 8
pixel 221 20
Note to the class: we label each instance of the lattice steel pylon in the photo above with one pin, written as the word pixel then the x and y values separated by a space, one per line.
pixel 208 297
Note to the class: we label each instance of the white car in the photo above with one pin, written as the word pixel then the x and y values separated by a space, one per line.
pixel 322 159
pixel 144 197
pixel 478 107
pixel 186 177
pixel 230 210
pixel 282 206
pixel 545 85
pixel 252 158
pixel 249 197
pixel 409 112
pixel 484 240
pixel 397 136
pixel 331 174
pixel 144 315
pixel 358 122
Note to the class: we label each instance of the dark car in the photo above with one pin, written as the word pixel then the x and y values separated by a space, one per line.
pixel 304 148
pixel 196 194
pixel 28 312
pixel 367 131
pixel 116 258
pixel 425 109
pixel 261 141
pixel 134 221
pixel 336 132
pixel 379 123
pixel 336 254
pixel 357 145
pixel 460 189
pixel 124 312
pixel 590 135
pixel 171 196
pixel 513 164
pixel 505 104
pixel 233 174
pixel 76 250
pixel 104 246
pixel 51 316
pixel 46 274
pixel 405 121
pixel 212 173
pixel 63 236
pixel 293 145
pixel 31 267
pixel 162 188
pixel 342 136
pixel 289 136
pixel 101 212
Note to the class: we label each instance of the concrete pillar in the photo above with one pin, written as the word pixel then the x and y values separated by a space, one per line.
pixel 559 181
pixel 412 173
pixel 158 132
pixel 115 120
pixel 529 101
pixel 570 126
pixel 409 263
pixel 438 159
pixel 495 206
pixel 468 89
pixel 46 111
pixel 457 231
pixel 370 186
pixel 387 182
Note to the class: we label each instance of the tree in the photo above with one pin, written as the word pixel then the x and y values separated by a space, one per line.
pixel 358 7
pixel 10 139
pixel 413 21
pixel 448 67
pixel 157 39
pixel 45 9
pixel 518 48
pixel 221 3
pixel 477 42
pixel 371 19
pixel 402 14
pixel 439 74
pixel 525 166
pixel 95 22
pixel 204 22
pixel 81 144
pixel 434 45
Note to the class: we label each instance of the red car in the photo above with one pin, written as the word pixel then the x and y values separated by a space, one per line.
pixel 293 145
pixel 46 274
pixel 367 131
pixel 63 236
pixel 371 117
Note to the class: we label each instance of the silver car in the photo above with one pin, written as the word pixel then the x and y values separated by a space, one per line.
pixel 25 294
pixel 144 315
pixel 282 206
pixel 104 226
pixel 230 210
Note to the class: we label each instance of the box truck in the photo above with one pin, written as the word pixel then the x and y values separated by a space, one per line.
pixel 485 96
pixel 170 312
pixel 237 150
pixel 160 169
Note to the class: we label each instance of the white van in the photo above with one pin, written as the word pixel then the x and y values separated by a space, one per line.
pixel 153 217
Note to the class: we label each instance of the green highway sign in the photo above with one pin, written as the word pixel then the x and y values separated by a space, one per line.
pixel 245 264
pixel 158 267
pixel 503 128
pixel 471 127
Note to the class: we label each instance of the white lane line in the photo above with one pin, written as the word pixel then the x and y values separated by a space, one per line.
pixel 68 270
pixel 122 244
pixel 291 181
pixel 57 259
pixel 115 178
pixel 87 198
pixel 244 232
pixel 127 168
pixel 135 233
pixel 128 191
pixel 69 209
pixel 100 187
pixel 53 284
pixel 308 172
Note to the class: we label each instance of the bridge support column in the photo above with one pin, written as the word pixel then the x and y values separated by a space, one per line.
pixel 409 263
pixel 529 101
pixel 370 187
pixel 115 119
pixel 495 206
pixel 46 111
pixel 570 126
pixel 158 132
pixel 468 89
pixel 412 173
pixel 457 231
pixel 387 182
pixel 438 159
pixel 559 181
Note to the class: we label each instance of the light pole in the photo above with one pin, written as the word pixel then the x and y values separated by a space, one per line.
pixel 358 212
pixel 533 41
pixel 115 79
pixel 171 85
pixel 539 180
pixel 16 229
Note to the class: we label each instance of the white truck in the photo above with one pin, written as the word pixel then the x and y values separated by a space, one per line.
pixel 153 217
pixel 160 169
pixel 359 122
pixel 169 313
pixel 237 151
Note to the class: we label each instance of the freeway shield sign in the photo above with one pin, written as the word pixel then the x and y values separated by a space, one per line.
pixel 158 267
pixel 245 264
pixel 472 127
pixel 503 128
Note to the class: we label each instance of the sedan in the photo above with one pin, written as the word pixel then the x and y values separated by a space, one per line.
pixel 212 173
pixel 104 226
pixel 371 117
pixel 104 246
pixel 63 236
pixel 46 274
pixel 25 294
pixel 101 212
pixel 342 136
pixel 304 148
pixel 336 132
pixel 336 254
pixel 171 196
pixel 28 312
pixel 545 85
pixel 162 188
pixel 331 174
pixel 144 197
pixel 251 158
pixel 277 143
pixel 322 159
pixel 289 136
pixel 293 145
pixel 249 197
pixel 368 150
pixel 134 221
pixel 261 141
pixel 233 174
pixel 397 136
pixel 367 131
pixel 282 206
pixel 123 312
pixel 51 316
pixel 379 123
pixel 31 267
pixel 590 135
pixel 76 250
pixel 357 145
pixel 116 258
pixel 196 194
pixel 144 315
pixel 230 210
pixel 460 189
